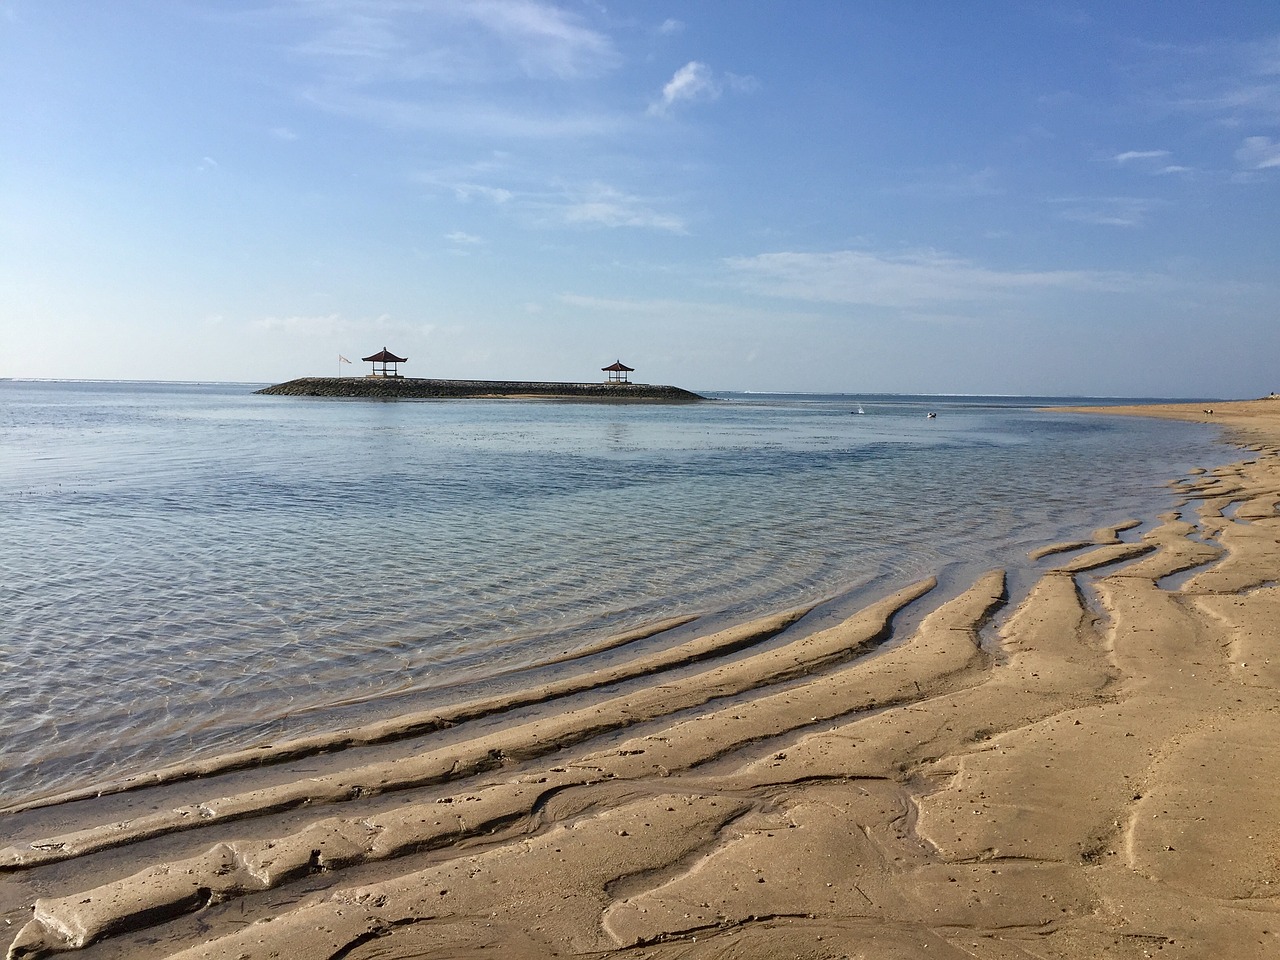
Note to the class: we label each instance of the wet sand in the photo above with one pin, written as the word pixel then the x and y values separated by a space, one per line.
pixel 1086 770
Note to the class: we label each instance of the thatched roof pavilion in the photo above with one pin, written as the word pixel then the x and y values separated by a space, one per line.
pixel 618 371
pixel 381 359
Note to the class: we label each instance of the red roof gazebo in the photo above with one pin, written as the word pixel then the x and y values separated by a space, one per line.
pixel 380 361
pixel 618 371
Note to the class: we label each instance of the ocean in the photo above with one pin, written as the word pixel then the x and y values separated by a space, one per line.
pixel 190 568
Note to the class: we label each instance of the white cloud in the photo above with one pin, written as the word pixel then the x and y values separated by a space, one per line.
pixel 1259 153
pixel 348 33
pixel 1060 98
pixel 1106 211
pixel 324 325
pixel 614 305
pixel 464 115
pixel 1239 82
pixel 1153 162
pixel 1099 217
pixel 544 205
pixel 478 40
pixel 547 40
pixel 602 205
pixel 283 134
pixel 466 192
pixel 321 325
pixel 915 280
pixel 666 310
pixel 478 67
pixel 1225 87
pixel 1131 155
pixel 670 26
pixel 951 184
pixel 1244 103
pixel 694 81
pixel 463 239
pixel 474 180
pixel 1266 57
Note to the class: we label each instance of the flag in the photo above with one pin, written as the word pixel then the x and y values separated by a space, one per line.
pixel 342 359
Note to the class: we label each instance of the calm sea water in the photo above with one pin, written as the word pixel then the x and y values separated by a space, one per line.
pixel 188 568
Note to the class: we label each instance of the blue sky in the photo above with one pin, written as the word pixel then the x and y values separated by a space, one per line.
pixel 1005 197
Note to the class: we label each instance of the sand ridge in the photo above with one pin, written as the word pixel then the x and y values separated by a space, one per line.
pixel 1090 775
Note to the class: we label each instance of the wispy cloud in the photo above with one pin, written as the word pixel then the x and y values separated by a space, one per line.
pixel 657 306
pixel 667 310
pixel 696 82
pixel 479 67
pixel 475 41
pixel 463 239
pixel 486 179
pixel 320 325
pixel 325 325
pixel 351 31
pixel 466 192
pixel 1226 87
pixel 602 205
pixel 468 115
pixel 950 184
pixel 1105 211
pixel 1236 83
pixel 1241 105
pixel 1259 153
pixel 549 40
pixel 1130 155
pixel 918 280
pixel 539 203
pixel 1152 162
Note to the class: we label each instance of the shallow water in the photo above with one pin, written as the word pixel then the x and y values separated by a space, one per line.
pixel 187 568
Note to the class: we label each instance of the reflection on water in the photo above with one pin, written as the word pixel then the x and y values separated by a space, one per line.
pixel 186 568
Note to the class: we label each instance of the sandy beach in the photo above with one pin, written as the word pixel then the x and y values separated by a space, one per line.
pixel 1086 770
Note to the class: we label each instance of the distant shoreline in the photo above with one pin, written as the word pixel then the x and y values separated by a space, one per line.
pixel 1247 422
pixel 413 388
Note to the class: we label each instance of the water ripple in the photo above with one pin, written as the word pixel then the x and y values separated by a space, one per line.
pixel 185 569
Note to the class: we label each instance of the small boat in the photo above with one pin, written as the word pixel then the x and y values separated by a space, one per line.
pixel 860 410
pixel 931 416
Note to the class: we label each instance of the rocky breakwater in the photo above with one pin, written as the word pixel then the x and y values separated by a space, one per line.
pixel 412 388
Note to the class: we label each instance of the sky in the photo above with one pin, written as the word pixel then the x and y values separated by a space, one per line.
pixel 856 196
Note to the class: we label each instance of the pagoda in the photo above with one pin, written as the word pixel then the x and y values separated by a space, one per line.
pixel 381 360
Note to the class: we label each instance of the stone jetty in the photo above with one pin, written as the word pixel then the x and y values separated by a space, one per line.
pixel 413 388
